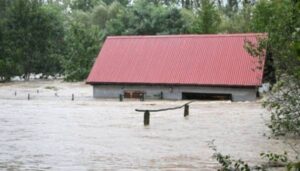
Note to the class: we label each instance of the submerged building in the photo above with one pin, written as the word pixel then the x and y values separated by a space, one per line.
pixel 177 67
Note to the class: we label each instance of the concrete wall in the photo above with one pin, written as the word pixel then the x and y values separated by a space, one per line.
pixel 173 92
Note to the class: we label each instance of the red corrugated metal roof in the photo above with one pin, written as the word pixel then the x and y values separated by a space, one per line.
pixel 177 59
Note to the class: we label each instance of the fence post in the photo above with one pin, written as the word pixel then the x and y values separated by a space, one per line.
pixel 146 118
pixel 37 91
pixel 73 97
pixel 15 93
pixel 142 97
pixel 186 110
pixel 28 97
pixel 161 95
pixel 121 97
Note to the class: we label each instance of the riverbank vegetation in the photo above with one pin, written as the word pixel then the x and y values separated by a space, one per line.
pixel 64 36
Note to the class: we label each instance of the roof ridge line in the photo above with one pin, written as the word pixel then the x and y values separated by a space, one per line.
pixel 185 36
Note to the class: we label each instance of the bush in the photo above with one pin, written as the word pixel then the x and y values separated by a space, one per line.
pixel 284 104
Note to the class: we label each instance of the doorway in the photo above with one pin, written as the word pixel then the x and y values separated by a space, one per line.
pixel 205 96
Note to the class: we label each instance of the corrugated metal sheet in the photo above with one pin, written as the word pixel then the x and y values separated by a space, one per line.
pixel 217 60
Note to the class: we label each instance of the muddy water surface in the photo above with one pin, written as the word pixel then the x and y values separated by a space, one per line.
pixel 51 132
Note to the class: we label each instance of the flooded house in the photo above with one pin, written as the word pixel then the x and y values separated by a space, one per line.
pixel 177 67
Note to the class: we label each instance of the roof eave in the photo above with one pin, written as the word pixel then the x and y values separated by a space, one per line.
pixel 172 84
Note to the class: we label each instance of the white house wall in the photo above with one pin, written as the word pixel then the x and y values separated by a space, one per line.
pixel 173 92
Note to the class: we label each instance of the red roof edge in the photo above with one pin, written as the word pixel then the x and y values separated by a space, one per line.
pixel 166 84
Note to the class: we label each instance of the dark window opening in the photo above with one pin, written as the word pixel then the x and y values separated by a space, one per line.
pixel 206 96
pixel 133 94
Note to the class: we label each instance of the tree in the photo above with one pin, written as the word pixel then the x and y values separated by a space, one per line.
pixel 262 16
pixel 189 19
pixel 84 5
pixel 102 13
pixel 83 44
pixel 208 18
pixel 146 18
pixel 281 20
pixel 246 13
pixel 52 20
pixel 123 2
pixel 190 4
pixel 20 42
pixel 231 8
pixel 32 34
pixel 173 22
pixel 164 2
pixel 7 65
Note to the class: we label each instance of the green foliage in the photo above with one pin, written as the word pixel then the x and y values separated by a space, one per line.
pixel 229 164
pixel 33 39
pixel 283 104
pixel 83 45
pixel 281 20
pixel 53 43
pixel 171 22
pixel 123 2
pixel 280 160
pixel 275 158
pixel 293 166
pixel 231 8
pixel 226 162
pixel 102 13
pixel 89 5
pixel 188 18
pixel 146 18
pixel 81 17
pixel 262 12
pixel 36 36
pixel 84 5
pixel 7 68
pixel 235 19
pixel 208 18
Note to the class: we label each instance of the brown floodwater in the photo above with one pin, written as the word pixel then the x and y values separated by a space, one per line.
pixel 51 132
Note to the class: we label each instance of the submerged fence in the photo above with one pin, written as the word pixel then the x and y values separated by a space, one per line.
pixel 147 111
pixel 42 95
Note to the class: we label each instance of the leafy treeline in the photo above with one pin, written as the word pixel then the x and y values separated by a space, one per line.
pixel 31 38
pixel 64 36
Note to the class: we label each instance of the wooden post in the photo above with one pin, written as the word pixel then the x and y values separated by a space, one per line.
pixel 161 95
pixel 28 97
pixel 72 97
pixel 146 118
pixel 121 97
pixel 15 93
pixel 37 91
pixel 142 98
pixel 186 110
